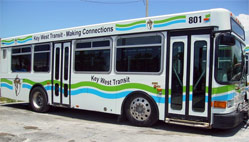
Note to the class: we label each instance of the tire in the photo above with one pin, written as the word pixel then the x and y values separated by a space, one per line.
pixel 141 110
pixel 39 100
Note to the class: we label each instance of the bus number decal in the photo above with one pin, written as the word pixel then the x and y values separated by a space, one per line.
pixel 194 20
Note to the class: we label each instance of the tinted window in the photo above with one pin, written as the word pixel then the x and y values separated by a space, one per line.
pixel 199 80
pixel 16 50
pixel 41 62
pixel 45 47
pixel 4 53
pixel 57 63
pixel 21 60
pixel 101 43
pixel 177 75
pixel 138 59
pixel 84 45
pixel 139 54
pixel 89 58
pixel 21 63
pixel 229 62
pixel 237 29
pixel 66 64
pixel 92 60
pixel 139 40
pixel 41 58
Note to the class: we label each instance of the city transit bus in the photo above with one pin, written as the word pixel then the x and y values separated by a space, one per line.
pixel 186 69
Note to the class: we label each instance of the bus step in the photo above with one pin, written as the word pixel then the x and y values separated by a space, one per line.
pixel 188 123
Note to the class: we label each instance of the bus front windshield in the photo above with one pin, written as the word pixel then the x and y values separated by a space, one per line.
pixel 229 62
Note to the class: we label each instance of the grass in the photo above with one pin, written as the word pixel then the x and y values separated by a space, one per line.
pixel 6 100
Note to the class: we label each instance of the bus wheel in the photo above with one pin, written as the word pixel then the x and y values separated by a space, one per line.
pixel 140 110
pixel 38 100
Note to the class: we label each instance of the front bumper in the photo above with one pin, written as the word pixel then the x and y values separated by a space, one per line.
pixel 231 120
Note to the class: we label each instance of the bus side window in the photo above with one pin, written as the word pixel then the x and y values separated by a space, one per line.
pixel 4 53
pixel 41 58
pixel 21 59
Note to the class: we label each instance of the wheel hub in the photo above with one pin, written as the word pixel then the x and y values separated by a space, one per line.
pixel 140 109
pixel 38 100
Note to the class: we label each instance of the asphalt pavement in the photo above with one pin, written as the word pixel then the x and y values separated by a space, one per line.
pixel 19 124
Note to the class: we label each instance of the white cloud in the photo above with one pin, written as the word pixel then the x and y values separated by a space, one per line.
pixel 244 19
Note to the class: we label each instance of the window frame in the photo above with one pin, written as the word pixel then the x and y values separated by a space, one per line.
pixel 50 57
pixel 162 44
pixel 92 49
pixel 26 53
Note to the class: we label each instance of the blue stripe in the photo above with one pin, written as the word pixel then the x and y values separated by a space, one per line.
pixel 158 99
pixel 6 43
pixel 27 86
pixel 100 94
pixel 131 28
pixel 246 50
pixel 169 23
pixel 6 86
pixel 224 97
pixel 48 87
pixel 24 40
pixel 111 95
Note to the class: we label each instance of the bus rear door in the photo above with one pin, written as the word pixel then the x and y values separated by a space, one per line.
pixel 61 74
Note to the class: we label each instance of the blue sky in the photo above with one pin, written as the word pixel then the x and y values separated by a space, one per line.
pixel 19 17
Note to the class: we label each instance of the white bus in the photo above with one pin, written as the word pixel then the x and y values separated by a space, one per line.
pixel 185 69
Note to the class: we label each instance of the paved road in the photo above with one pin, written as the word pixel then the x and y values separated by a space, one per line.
pixel 19 124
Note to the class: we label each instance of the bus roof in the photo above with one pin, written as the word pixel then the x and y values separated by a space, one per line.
pixel 207 18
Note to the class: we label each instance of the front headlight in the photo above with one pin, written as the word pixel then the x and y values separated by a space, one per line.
pixel 230 103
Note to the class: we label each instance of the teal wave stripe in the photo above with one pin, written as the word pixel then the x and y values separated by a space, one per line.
pixel 116 88
pixel 169 19
pixel 131 24
pixel 23 39
pixel 6 81
pixel 137 86
pixel 8 41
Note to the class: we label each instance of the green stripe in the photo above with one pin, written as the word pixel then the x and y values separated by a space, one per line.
pixel 117 88
pixel 223 89
pixel 6 81
pixel 131 24
pixel 169 19
pixel 207 16
pixel 21 39
pixel 8 41
pixel 102 87
pixel 32 82
pixel 247 47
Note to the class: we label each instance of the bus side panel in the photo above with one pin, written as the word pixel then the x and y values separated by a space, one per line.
pixel 106 93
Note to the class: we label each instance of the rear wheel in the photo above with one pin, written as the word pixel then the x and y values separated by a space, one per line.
pixel 39 100
pixel 141 110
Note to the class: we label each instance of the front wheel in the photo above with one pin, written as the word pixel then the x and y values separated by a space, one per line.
pixel 38 100
pixel 141 110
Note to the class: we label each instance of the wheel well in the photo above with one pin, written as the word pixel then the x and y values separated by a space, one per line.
pixel 134 93
pixel 38 85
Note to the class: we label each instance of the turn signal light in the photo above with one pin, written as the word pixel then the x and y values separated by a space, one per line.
pixel 220 104
pixel 159 89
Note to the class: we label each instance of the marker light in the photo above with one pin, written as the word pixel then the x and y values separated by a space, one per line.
pixel 220 104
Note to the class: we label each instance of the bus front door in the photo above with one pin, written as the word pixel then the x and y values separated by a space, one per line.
pixel 188 97
pixel 61 74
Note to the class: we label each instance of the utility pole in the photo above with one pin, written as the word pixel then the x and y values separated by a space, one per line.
pixel 147 3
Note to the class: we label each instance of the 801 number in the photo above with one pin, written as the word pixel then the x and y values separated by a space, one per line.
pixel 194 20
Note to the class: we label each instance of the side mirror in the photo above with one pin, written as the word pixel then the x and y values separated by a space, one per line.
pixel 227 39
